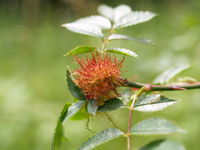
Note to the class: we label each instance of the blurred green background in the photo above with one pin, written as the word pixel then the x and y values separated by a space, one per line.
pixel 32 69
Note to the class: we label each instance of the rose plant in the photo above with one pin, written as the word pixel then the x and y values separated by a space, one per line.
pixel 96 83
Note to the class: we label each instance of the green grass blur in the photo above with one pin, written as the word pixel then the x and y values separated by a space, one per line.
pixel 32 75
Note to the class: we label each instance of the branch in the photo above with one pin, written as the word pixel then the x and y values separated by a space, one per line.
pixel 151 87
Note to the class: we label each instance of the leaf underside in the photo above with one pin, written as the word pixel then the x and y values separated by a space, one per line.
pixel 125 37
pixel 92 106
pixel 84 28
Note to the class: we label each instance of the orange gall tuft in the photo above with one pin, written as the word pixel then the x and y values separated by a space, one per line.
pixel 99 77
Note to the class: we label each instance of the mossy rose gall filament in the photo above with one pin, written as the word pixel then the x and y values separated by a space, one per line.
pixel 99 76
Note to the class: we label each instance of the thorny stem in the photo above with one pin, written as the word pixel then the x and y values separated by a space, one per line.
pixel 151 87
pixel 113 123
pixel 128 134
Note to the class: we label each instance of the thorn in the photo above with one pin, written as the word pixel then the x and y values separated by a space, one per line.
pixel 148 87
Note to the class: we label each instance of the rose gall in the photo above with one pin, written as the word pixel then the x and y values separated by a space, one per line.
pixel 99 77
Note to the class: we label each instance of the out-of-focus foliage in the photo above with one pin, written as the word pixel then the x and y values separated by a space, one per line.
pixel 33 70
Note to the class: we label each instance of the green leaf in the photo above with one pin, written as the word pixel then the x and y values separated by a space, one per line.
pixel 147 99
pixel 110 105
pixel 92 107
pixel 154 126
pixel 121 51
pixel 81 50
pixel 98 21
pixel 84 28
pixel 57 138
pixel 64 112
pixel 170 73
pixel 152 102
pixel 125 37
pixel 73 109
pixel 163 144
pixel 73 88
pixel 58 133
pixel 80 115
pixel 134 18
pixel 114 14
pixel 100 138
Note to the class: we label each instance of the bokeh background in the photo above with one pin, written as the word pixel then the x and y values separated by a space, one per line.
pixel 32 69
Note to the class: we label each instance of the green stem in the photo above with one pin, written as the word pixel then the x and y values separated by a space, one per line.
pixel 105 39
pixel 151 87
pixel 131 117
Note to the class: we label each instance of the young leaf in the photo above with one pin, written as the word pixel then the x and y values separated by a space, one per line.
pixel 110 105
pixel 167 75
pixel 73 88
pixel 154 126
pixel 121 11
pixel 100 138
pixel 84 28
pixel 114 14
pixel 92 107
pixel 125 37
pixel 81 50
pixel 152 102
pixel 99 21
pixel 163 144
pixel 73 109
pixel 121 51
pixel 134 18
pixel 106 11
